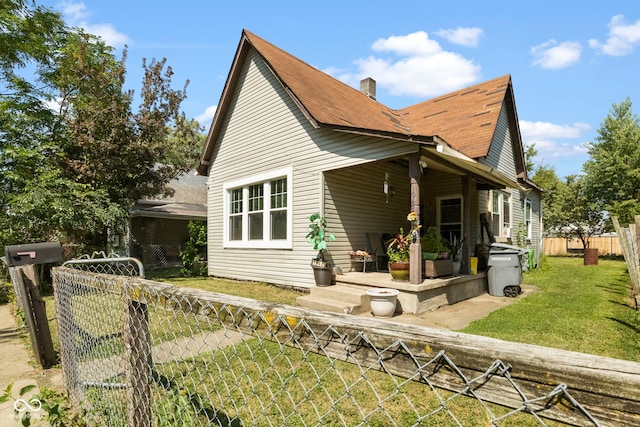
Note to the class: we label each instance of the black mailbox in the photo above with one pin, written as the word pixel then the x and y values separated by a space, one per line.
pixel 33 253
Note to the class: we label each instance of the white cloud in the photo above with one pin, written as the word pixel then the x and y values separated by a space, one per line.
pixel 462 36
pixel 548 137
pixel 622 38
pixel 552 55
pixel 77 14
pixel 205 118
pixel 417 66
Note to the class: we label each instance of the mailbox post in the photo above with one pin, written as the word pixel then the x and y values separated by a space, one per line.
pixel 23 259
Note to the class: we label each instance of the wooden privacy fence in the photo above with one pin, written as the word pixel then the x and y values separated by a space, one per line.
pixel 630 241
pixel 144 353
pixel 606 245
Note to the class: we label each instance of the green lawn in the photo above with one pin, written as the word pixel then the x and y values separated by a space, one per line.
pixel 255 290
pixel 580 308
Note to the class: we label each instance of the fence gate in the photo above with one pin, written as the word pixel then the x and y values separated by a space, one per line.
pixel 98 262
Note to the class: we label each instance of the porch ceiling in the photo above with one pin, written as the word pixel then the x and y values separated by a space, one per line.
pixel 445 159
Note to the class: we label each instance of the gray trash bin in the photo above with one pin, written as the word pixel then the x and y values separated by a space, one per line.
pixel 504 272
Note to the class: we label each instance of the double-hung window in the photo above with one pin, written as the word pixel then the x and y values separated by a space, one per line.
pixel 257 211
pixel 501 213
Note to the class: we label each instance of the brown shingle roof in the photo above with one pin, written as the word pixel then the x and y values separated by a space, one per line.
pixel 326 99
pixel 466 119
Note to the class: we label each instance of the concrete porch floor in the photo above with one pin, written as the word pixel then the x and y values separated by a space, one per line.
pixel 447 305
pixel 426 296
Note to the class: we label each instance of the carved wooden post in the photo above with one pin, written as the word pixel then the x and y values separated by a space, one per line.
pixel 415 250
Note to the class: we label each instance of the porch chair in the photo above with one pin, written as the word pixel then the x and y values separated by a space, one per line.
pixel 377 242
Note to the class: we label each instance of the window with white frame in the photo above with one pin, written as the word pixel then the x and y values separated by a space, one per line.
pixel 257 211
pixel 501 214
pixel 527 218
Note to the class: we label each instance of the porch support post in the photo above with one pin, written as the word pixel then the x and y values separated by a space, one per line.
pixel 415 250
pixel 467 182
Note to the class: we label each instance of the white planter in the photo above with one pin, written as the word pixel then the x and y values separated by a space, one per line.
pixel 383 301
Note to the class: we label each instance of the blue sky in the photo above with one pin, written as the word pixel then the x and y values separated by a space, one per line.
pixel 569 61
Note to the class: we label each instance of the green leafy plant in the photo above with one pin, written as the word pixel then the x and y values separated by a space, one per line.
pixel 194 250
pixel 398 247
pixel 318 235
pixel 454 246
pixel 431 241
pixel 46 405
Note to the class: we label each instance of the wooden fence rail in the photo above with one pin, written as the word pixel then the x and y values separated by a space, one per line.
pixel 606 245
pixel 630 242
pixel 609 389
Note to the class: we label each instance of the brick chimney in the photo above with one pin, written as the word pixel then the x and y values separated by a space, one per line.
pixel 368 87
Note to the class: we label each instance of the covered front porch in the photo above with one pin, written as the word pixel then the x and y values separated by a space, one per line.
pixel 349 294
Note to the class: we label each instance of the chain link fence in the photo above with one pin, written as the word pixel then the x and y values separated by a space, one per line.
pixel 156 256
pixel 136 352
pixel 99 262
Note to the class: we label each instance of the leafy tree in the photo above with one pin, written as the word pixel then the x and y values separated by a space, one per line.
pixel 613 169
pixel 74 155
pixel 571 212
pixel 546 177
pixel 195 250
pixel 529 154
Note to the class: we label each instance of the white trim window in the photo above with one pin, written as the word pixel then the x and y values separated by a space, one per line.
pixel 501 213
pixel 257 211
pixel 528 210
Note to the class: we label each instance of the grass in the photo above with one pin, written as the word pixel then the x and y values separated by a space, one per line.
pixel 579 308
pixel 256 290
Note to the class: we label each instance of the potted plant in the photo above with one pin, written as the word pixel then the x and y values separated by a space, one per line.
pixel 318 238
pixel 432 244
pixel 436 258
pixel 398 250
pixel 398 253
pixel 454 246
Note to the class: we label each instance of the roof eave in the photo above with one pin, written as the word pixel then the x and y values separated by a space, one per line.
pixel 223 105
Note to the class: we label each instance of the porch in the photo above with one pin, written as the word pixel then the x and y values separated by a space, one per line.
pixel 349 295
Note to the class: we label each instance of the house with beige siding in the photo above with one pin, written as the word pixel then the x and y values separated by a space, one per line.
pixel 288 140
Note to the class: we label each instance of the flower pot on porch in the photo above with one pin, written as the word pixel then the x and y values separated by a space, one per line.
pixel 383 301
pixel 438 268
pixel 456 268
pixel 323 275
pixel 399 271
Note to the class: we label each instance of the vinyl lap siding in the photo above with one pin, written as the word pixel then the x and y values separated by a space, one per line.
pixel 265 131
pixel 501 152
pixel 356 205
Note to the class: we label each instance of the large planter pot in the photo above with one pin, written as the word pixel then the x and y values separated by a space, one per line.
pixel 323 276
pixel 438 268
pixel 456 268
pixel 399 271
pixel 591 256
pixel 383 301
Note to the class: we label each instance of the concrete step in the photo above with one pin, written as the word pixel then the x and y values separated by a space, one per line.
pixel 348 294
pixel 336 299
pixel 326 304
